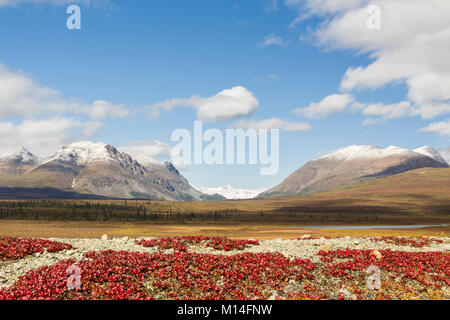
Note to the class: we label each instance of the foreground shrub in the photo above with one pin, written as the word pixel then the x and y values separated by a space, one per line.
pixel 12 248
pixel 127 275
pixel 181 243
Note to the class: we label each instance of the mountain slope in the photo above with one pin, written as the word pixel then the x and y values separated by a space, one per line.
pixel 445 154
pixel 352 165
pixel 100 169
pixel 16 162
pixel 432 153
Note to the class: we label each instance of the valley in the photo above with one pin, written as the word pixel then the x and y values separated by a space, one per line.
pixel 415 197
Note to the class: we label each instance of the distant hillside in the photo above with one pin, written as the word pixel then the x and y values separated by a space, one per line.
pixel 84 169
pixel 44 193
pixel 420 193
pixel 353 165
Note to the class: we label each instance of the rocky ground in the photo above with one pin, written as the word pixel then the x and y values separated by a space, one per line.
pixel 305 248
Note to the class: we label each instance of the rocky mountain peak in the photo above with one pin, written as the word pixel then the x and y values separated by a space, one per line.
pixel 432 153
pixel 85 152
pixel 22 156
pixel 445 154
pixel 355 152
pixel 171 167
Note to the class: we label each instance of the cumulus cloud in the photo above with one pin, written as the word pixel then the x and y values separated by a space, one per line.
pixel 387 112
pixel 148 152
pixel 329 105
pixel 322 7
pixel 47 121
pixel 43 136
pixel 273 123
pixel 411 48
pixel 226 105
pixel 442 128
pixel 101 109
pixel 308 8
pixel 89 128
pixel 150 148
pixel 272 40
pixel 21 96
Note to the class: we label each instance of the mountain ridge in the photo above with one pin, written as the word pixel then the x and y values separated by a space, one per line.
pixel 232 193
pixel 100 169
pixel 352 165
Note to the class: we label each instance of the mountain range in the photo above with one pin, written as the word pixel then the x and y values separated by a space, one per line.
pixel 88 170
pixel 95 169
pixel 232 193
pixel 352 165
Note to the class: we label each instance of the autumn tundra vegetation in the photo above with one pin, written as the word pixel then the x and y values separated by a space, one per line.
pixel 248 249
pixel 175 271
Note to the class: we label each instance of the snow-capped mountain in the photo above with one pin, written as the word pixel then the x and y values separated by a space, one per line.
pixel 100 169
pixel 354 164
pixel 231 193
pixel 432 153
pixel 366 152
pixel 21 155
pixel 445 154
pixel 83 153
pixel 16 162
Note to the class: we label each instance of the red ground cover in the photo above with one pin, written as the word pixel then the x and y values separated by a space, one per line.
pixel 12 248
pixel 181 243
pixel 184 275
pixel 127 275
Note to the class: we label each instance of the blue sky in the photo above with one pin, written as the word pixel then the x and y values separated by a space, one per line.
pixel 133 55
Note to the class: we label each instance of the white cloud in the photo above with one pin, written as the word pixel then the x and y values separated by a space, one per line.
pixel 329 105
pixel 322 7
pixel 226 105
pixel 90 128
pixel 150 152
pixel 442 128
pixel 387 112
pixel 273 123
pixel 272 40
pixel 21 96
pixel 308 8
pixel 411 48
pixel 43 136
pixel 151 148
pixel 101 109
